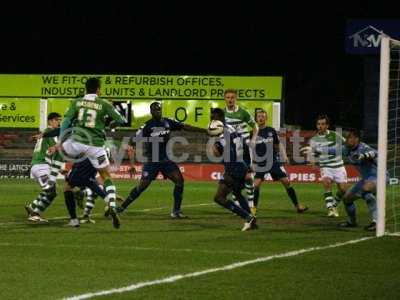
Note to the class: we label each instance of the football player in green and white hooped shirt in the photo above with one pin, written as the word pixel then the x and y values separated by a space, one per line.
pixel 245 125
pixel 331 166
pixel 45 168
pixel 88 116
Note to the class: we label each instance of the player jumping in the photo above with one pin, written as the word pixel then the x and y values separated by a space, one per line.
pixel 88 116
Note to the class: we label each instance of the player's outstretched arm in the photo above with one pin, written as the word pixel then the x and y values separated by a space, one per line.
pixel 368 153
pixel 194 129
pixel 333 150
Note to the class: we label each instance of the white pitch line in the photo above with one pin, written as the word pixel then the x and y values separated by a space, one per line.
pixel 174 278
pixel 188 250
pixel 99 214
pixel 393 234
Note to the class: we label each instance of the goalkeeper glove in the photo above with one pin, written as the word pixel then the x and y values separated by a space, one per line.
pixel 358 156
pixel 361 156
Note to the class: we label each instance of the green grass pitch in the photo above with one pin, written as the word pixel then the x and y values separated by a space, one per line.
pixel 54 262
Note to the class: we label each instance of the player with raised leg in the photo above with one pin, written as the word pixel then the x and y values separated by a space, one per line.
pixel 82 175
pixel 88 116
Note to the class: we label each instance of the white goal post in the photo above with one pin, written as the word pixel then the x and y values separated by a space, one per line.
pixel 384 91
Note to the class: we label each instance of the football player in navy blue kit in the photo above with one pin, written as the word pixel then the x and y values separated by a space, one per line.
pixel 230 145
pixel 267 160
pixel 154 135
pixel 82 175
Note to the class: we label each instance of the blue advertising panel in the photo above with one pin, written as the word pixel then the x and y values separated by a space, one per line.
pixel 363 36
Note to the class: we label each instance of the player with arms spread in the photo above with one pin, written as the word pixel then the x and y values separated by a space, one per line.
pixel 154 136
pixel 88 116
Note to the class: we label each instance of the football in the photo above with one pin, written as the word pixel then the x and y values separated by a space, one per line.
pixel 215 128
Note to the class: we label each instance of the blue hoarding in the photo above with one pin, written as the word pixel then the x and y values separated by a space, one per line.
pixel 363 36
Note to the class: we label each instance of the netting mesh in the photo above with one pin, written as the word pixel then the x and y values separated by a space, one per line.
pixel 393 151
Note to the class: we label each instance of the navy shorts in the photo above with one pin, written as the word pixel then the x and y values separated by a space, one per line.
pixel 81 174
pixel 277 172
pixel 234 178
pixel 150 170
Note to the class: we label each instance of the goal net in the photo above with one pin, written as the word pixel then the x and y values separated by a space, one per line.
pixel 388 189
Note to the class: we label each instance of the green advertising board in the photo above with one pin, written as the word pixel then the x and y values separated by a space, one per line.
pixel 184 98
pixel 142 86
pixel 19 113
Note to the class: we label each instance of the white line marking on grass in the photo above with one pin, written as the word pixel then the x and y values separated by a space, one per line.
pixel 174 278
pixel 41 245
pixel 393 234
pixel 99 214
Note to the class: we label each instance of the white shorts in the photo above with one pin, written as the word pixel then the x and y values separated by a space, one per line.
pixel 338 175
pixel 41 173
pixel 96 155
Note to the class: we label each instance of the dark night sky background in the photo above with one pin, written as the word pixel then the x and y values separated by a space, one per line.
pixel 302 42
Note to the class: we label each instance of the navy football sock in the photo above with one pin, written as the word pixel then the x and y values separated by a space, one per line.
pixel 292 195
pixel 70 203
pixel 229 204
pixel 96 189
pixel 178 192
pixel 133 195
pixel 256 196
